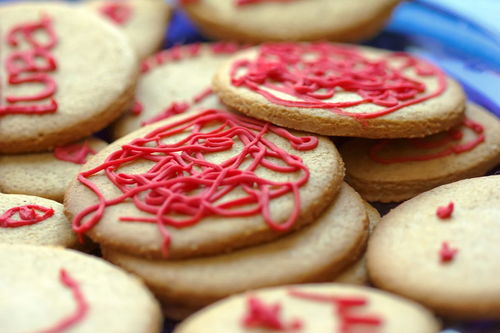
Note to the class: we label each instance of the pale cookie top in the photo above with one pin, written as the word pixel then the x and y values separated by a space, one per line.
pixel 48 174
pixel 203 183
pixel 441 248
pixel 311 309
pixel 144 22
pixel 335 89
pixel 66 291
pixel 32 220
pixel 173 81
pixel 83 78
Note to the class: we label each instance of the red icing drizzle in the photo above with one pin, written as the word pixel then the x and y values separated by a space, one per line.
pixel 82 306
pixel 32 65
pixel 446 253
pixel 118 12
pixel 344 307
pixel 183 182
pixel 75 153
pixel 444 212
pixel 446 143
pixel 313 73
pixel 27 215
pixel 261 315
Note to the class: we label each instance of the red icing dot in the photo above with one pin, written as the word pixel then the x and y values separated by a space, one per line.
pixel 119 12
pixel 446 253
pixel 26 215
pixel 75 153
pixel 261 315
pixel 312 74
pixel 182 182
pixel 445 212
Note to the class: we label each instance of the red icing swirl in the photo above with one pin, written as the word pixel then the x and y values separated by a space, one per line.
pixel 447 253
pixel 26 215
pixel 261 315
pixel 75 153
pixel 444 212
pixel 314 73
pixel 117 11
pixel 182 182
pixel 32 65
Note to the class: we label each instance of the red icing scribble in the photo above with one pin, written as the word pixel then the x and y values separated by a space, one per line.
pixel 446 253
pixel 313 73
pixel 261 315
pixel 345 308
pixel 444 212
pixel 117 11
pixel 174 109
pixel 75 153
pixel 449 144
pixel 82 306
pixel 26 215
pixel 32 66
pixel 183 182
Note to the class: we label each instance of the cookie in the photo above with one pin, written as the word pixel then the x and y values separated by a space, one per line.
pixel 341 90
pixel 62 83
pixel 441 249
pixel 63 290
pixel 312 254
pixel 311 309
pixel 202 183
pixel 174 81
pixel 272 20
pixel 46 175
pixel 26 219
pixel 144 22
pixel 396 170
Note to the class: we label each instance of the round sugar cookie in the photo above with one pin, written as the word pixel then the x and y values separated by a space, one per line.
pixel 173 81
pixel 64 290
pixel 341 90
pixel 312 254
pixel 278 20
pixel 203 183
pixel 144 22
pixel 311 309
pixel 441 249
pixel 396 170
pixel 46 175
pixel 26 219
pixel 62 83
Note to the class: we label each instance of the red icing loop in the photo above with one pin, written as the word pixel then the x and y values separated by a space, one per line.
pixel 75 153
pixel 447 144
pixel 446 253
pixel 119 12
pixel 444 212
pixel 261 315
pixel 32 66
pixel 345 308
pixel 82 306
pixel 313 74
pixel 27 215
pixel 182 182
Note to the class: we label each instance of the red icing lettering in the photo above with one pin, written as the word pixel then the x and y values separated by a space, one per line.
pixel 261 315
pixel 119 12
pixel 30 66
pixel 182 182
pixel 26 215
pixel 446 253
pixel 444 212
pixel 75 153
pixel 345 308
pixel 312 74
pixel 82 306
pixel 448 145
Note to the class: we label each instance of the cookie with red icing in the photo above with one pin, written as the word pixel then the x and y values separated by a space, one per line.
pixel 61 83
pixel 174 81
pixel 62 290
pixel 282 20
pixel 144 22
pixel 311 309
pixel 203 183
pixel 441 249
pixel 47 174
pixel 341 90
pixel 26 219
pixel 396 170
